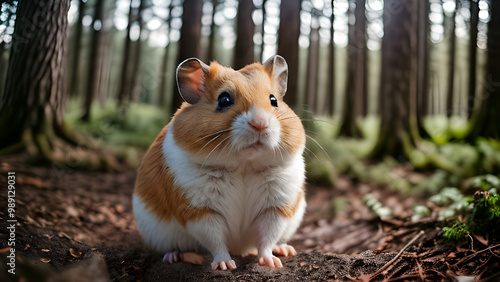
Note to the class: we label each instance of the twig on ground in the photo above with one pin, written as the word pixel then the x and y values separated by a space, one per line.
pixel 381 270
pixel 478 252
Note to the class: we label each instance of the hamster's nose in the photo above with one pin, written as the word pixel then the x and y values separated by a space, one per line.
pixel 258 126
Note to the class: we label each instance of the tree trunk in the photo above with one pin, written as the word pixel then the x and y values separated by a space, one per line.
pixel 134 91
pixel 245 28
pixel 75 56
pixel 288 46
pixel 312 66
pixel 262 30
pixel 330 93
pixel 485 118
pixel 474 20
pixel 423 61
pixel 451 63
pixel 162 90
pixel 124 82
pixel 355 101
pixel 395 80
pixel 189 43
pixel 213 28
pixel 95 65
pixel 35 87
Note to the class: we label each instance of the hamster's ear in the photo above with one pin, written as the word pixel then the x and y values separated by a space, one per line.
pixel 277 67
pixel 191 79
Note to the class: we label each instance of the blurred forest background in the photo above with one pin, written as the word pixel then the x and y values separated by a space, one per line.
pixel 88 82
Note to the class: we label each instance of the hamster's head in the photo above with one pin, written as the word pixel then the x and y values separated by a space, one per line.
pixel 236 115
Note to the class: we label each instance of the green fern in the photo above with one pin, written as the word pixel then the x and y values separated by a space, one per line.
pixel 457 232
pixel 484 218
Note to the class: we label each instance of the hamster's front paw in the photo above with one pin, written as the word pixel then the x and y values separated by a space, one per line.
pixel 284 250
pixel 171 257
pixel 270 261
pixel 192 258
pixel 223 265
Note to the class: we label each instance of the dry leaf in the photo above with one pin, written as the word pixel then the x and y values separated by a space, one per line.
pixel 302 264
pixel 45 260
pixel 4 250
pixel 45 250
pixel 26 247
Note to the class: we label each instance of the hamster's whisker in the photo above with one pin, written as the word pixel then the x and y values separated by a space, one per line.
pixel 212 134
pixel 317 143
pixel 210 121
pixel 222 150
pixel 322 136
pixel 230 150
pixel 215 148
pixel 319 120
pixel 281 147
pixel 309 150
pixel 211 140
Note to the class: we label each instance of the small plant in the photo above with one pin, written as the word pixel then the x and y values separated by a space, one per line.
pixel 483 219
pixel 485 216
pixel 457 232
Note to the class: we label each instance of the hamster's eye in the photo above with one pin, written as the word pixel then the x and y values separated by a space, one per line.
pixel 225 101
pixel 274 101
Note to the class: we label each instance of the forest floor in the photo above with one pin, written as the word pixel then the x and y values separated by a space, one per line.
pixel 78 226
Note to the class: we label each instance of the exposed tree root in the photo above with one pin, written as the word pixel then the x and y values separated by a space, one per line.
pixel 65 152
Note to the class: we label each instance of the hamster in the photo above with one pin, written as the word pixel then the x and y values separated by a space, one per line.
pixel 226 175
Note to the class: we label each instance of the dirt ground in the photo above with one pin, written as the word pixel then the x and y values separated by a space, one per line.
pixel 78 226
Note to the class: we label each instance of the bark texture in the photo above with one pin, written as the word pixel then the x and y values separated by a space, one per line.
pixel 36 78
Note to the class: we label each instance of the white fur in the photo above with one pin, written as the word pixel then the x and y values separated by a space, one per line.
pixel 161 236
pixel 243 184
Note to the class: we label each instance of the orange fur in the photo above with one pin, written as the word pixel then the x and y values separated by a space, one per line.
pixel 289 210
pixel 154 186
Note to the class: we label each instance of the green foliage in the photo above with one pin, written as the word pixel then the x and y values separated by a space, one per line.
pixel 138 127
pixel 377 207
pixel 457 232
pixel 125 135
pixel 483 217
pixel 490 153
pixel 452 199
pixel 435 182
pixel 485 182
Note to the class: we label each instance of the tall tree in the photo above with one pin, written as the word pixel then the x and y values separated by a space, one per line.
pixel 189 43
pixel 395 80
pixel 75 55
pixel 355 101
pixel 313 64
pixel 330 93
pixel 125 79
pixel 95 59
pixel 423 59
pixel 213 28
pixel 288 45
pixel 485 118
pixel 419 66
pixel 35 88
pixel 263 30
pixel 471 90
pixel 136 62
pixel 245 28
pixel 162 90
pixel 451 62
